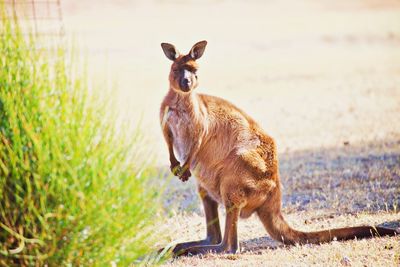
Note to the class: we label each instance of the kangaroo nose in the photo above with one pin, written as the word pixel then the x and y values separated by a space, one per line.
pixel 186 82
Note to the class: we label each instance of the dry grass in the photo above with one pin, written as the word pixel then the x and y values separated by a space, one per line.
pixel 338 187
pixel 258 250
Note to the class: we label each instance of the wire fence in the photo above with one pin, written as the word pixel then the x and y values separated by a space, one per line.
pixel 42 18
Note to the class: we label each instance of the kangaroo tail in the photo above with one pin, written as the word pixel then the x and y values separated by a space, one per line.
pixel 278 229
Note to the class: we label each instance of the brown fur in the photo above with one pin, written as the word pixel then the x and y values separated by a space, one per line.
pixel 235 163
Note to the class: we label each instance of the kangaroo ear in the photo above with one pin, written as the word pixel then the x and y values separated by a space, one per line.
pixel 198 49
pixel 170 51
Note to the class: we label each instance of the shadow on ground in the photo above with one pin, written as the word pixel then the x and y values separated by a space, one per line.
pixel 345 179
pixel 259 244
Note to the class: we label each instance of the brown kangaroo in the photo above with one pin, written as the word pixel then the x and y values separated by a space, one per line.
pixel 234 160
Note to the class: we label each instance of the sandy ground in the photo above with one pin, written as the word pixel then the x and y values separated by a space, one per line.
pixel 260 250
pixel 326 188
pixel 322 77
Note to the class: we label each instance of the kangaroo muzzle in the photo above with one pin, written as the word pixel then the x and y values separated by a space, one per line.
pixel 186 82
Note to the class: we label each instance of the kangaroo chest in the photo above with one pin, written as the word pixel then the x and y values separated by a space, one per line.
pixel 182 131
pixel 187 136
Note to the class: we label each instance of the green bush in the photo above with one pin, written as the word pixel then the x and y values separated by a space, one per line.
pixel 73 190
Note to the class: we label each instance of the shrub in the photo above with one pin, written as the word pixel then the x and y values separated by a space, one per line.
pixel 73 190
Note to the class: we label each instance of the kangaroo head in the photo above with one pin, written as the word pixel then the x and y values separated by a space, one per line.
pixel 183 77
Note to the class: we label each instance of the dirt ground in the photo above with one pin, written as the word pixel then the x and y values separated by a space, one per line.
pixel 326 188
pixel 321 77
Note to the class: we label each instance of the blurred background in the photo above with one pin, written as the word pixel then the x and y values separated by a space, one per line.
pixel 313 73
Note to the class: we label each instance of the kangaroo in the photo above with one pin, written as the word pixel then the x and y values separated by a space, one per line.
pixel 234 160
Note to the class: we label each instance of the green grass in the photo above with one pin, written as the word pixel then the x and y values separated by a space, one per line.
pixel 73 190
